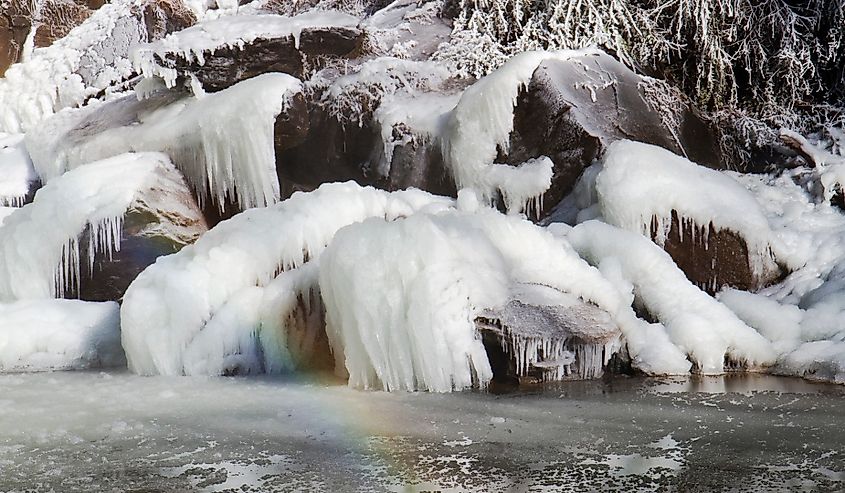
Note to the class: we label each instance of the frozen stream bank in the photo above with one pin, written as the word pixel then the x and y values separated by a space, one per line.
pixel 118 432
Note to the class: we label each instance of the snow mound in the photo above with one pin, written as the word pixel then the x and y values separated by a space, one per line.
pixel 16 171
pixel 640 185
pixel 482 121
pixel 227 32
pixel 41 335
pixel 222 142
pixel 698 325
pixel 40 241
pixel 169 305
pixel 402 297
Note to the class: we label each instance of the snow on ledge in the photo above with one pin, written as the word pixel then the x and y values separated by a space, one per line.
pixel 43 335
pixel 227 32
pixel 39 243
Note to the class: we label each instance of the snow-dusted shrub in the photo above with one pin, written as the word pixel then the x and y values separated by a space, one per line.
pixel 766 54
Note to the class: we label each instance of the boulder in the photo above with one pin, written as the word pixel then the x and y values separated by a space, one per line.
pixel 571 110
pixel 161 220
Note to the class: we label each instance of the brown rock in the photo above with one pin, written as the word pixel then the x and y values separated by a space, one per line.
pixel 713 259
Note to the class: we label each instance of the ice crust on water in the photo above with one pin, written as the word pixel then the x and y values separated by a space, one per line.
pixel 16 171
pixel 698 325
pixel 222 142
pixel 401 297
pixel 39 335
pixel 40 241
pixel 251 249
pixel 640 185
pixel 482 121
pixel 226 32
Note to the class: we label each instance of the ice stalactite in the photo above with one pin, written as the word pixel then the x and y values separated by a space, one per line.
pixel 40 241
pixel 481 123
pixel 188 288
pixel 641 185
pixel 222 142
pixel 696 323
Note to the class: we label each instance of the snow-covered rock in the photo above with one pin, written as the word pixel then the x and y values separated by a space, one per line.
pixel 25 25
pixel 701 327
pixel 64 242
pixel 402 296
pixel 571 110
pixel 18 180
pixel 713 227
pixel 43 335
pixel 91 59
pixel 198 311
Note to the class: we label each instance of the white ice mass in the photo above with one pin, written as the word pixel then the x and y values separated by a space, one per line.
pixel 39 335
pixel 222 142
pixel 40 241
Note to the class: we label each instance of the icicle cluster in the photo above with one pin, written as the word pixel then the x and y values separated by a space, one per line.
pixel 40 241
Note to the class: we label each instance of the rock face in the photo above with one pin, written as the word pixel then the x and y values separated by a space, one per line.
pixel 531 343
pixel 571 110
pixel 160 221
pixel 713 259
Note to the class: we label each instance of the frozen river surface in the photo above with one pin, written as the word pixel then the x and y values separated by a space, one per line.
pixel 118 432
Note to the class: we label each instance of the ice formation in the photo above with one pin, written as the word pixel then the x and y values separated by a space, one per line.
pixel 222 142
pixel 640 185
pixel 190 288
pixel 16 172
pixel 87 60
pixel 706 330
pixel 230 31
pixel 38 335
pixel 401 297
pixel 40 241
pixel 482 121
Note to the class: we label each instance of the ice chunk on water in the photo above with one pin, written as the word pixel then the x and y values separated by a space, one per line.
pixel 59 335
